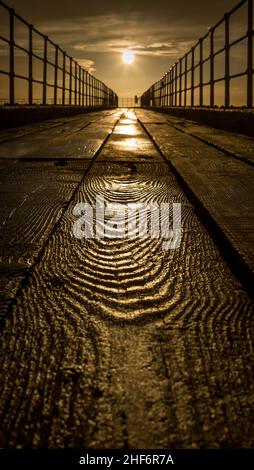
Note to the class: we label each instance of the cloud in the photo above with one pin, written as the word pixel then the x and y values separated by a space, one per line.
pixel 116 32
pixel 87 64
pixel 167 49
pixel 84 37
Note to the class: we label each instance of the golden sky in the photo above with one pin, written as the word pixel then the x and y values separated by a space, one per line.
pixel 96 34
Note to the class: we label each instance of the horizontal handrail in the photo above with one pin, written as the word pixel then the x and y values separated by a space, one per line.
pixel 177 87
pixel 82 89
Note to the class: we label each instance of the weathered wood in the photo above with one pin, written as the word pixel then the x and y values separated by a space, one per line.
pixel 117 342
pixel 66 124
pixel 34 194
pixel 237 145
pixel 75 138
pixel 223 184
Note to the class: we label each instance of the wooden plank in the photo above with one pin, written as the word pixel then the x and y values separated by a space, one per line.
pixel 75 138
pixel 34 195
pixel 239 145
pixel 65 124
pixel 223 185
pixel 119 343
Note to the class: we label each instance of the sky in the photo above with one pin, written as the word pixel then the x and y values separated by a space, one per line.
pixel 96 33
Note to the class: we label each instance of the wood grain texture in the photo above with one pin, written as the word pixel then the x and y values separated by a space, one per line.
pixel 223 185
pixel 119 343
pixel 72 138
pixel 240 146
pixel 36 191
pixel 64 124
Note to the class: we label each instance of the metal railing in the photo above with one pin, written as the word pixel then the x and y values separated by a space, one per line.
pixel 75 86
pixel 184 83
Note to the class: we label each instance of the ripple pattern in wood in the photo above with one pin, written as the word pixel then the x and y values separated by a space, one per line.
pixel 34 194
pixel 116 343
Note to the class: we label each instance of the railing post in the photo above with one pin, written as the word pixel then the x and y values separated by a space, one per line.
pixel 11 58
pixel 79 87
pixel 75 84
pixel 90 89
pixel 45 60
pixel 96 92
pixel 192 75
pixel 83 87
pixel 250 56
pixel 170 91
pixel 174 85
pixel 201 72
pixel 30 66
pixel 70 83
pixel 56 75
pixel 175 79
pixel 168 88
pixel 227 62
pixel 212 67
pixel 86 88
pixel 152 97
pixel 164 101
pixel 185 80
pixel 64 78
pixel 180 83
pixel 92 81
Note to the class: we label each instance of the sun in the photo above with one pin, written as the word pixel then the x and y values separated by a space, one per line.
pixel 128 57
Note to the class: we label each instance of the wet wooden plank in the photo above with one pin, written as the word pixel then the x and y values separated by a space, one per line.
pixel 236 144
pixel 119 343
pixel 75 138
pixel 224 185
pixel 63 125
pixel 34 194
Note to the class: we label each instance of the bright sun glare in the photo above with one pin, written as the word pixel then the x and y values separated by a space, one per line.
pixel 128 57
